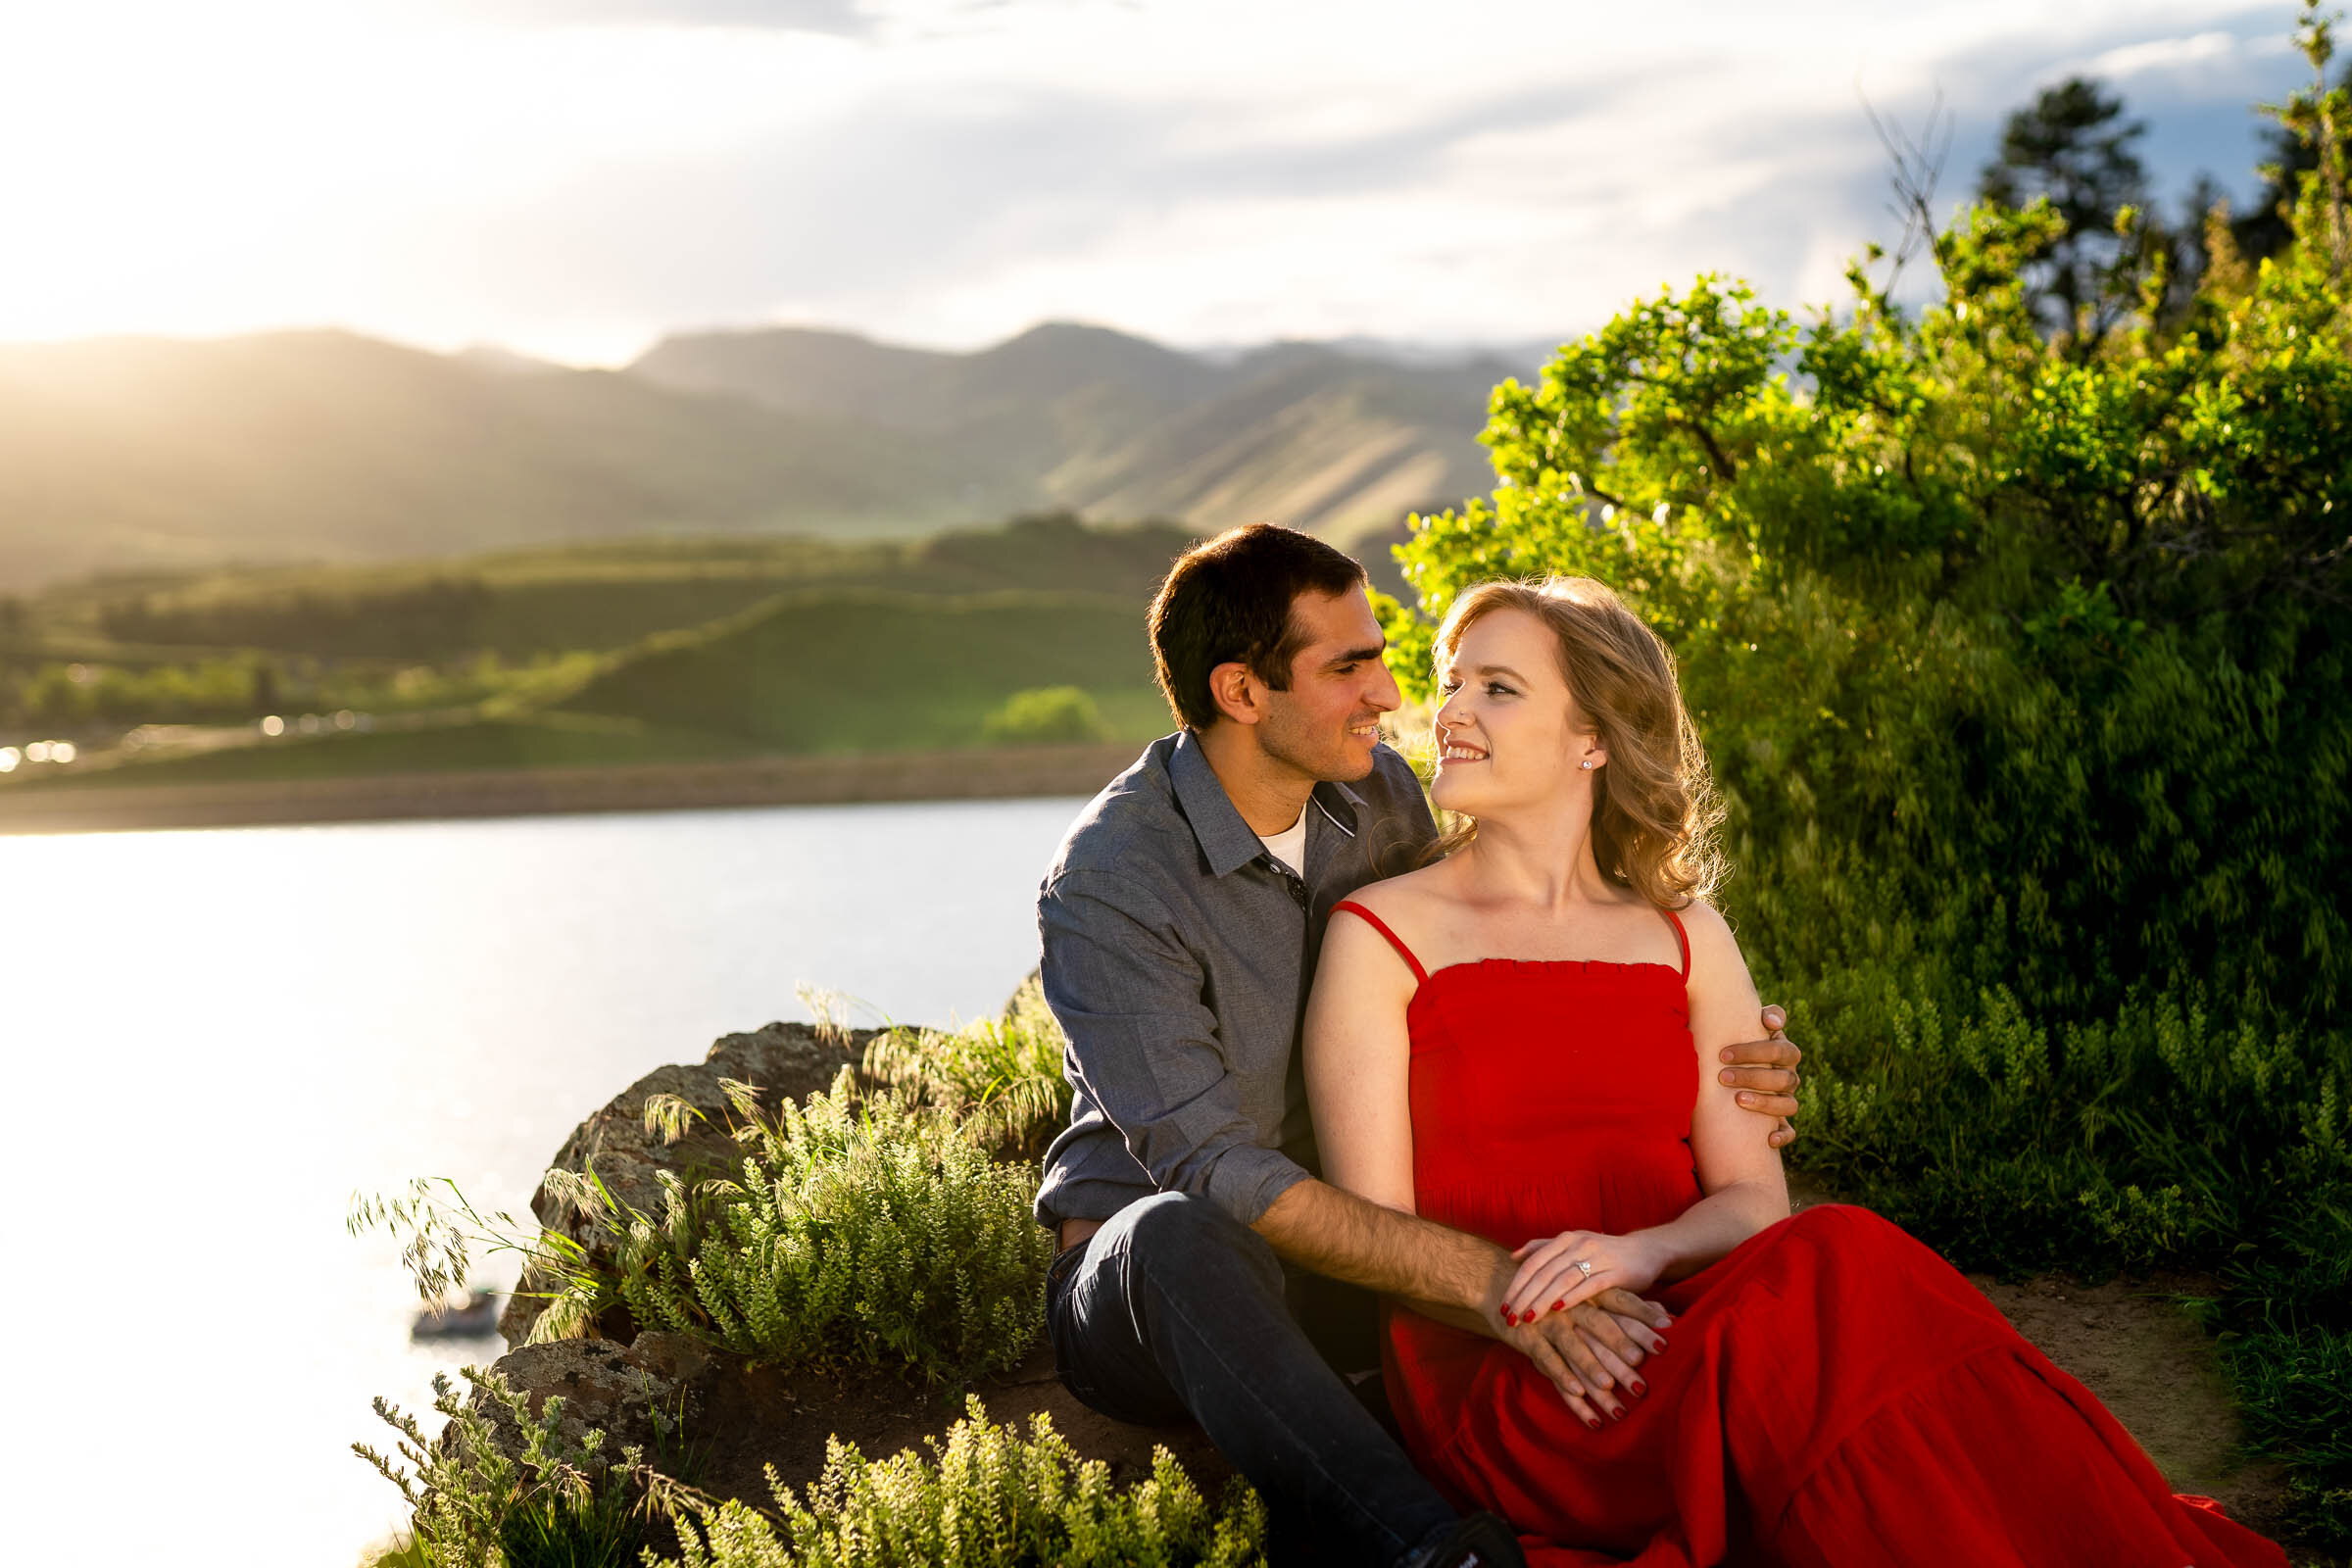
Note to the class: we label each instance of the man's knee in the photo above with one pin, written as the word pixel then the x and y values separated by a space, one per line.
pixel 1176 1236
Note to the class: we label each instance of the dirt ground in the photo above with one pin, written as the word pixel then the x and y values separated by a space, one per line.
pixel 2133 1347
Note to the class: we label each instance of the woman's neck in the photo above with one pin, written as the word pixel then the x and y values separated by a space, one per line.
pixel 1544 863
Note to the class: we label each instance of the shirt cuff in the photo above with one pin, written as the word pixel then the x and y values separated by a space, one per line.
pixel 1246 1179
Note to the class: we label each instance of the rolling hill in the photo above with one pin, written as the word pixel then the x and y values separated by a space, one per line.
pixel 141 455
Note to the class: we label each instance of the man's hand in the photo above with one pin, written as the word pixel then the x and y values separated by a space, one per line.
pixel 1591 1352
pixel 1764 1071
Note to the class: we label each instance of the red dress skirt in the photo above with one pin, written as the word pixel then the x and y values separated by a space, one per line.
pixel 1832 1393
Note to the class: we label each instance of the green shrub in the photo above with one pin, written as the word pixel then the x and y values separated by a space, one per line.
pixel 1001 1079
pixel 2022 665
pixel 560 1504
pixel 1044 716
pixel 986 1498
pixel 859 1231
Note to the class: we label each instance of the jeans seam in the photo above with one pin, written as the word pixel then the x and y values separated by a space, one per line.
pixel 1252 1394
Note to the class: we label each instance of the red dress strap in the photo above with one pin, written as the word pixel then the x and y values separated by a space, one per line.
pixel 1679 935
pixel 1420 974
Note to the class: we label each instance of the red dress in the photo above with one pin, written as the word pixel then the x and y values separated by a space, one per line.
pixel 1832 1393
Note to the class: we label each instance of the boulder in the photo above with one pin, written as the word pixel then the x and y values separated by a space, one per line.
pixel 784 1061
pixel 740 1418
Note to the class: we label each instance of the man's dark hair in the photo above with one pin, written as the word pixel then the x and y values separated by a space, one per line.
pixel 1229 600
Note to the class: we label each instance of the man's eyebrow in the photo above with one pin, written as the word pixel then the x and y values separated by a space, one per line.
pixel 1357 655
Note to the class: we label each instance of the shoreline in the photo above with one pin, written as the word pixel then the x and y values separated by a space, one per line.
pixel 1006 773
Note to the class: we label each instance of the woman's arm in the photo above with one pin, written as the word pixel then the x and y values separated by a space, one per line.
pixel 1358 1060
pixel 1738 1170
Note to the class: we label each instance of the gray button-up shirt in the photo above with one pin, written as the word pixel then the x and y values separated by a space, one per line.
pixel 1177 956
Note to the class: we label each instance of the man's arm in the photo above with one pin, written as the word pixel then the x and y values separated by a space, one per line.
pixel 1459 1279
pixel 1144 1047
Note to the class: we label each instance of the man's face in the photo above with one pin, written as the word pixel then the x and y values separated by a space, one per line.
pixel 1326 724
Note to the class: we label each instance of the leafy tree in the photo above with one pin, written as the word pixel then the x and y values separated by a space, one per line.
pixel 2073 147
pixel 2022 667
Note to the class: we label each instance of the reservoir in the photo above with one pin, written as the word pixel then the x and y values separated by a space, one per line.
pixel 215 1037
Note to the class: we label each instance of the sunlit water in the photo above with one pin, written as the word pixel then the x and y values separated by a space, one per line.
pixel 214 1038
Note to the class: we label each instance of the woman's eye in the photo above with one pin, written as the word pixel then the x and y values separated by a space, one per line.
pixel 1495 688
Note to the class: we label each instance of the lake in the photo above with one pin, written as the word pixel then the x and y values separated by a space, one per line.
pixel 215 1037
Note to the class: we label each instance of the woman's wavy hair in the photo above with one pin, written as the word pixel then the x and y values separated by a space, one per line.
pixel 1655 808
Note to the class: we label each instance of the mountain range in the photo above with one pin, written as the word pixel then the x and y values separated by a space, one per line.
pixel 137 455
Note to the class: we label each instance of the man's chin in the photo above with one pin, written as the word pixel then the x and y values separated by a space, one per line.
pixel 1352 763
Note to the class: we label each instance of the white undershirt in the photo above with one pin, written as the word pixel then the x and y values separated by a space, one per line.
pixel 1289 846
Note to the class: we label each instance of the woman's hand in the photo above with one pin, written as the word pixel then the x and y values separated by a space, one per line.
pixel 1549 1279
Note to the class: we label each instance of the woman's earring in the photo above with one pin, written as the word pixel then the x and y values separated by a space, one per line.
pixel 1584 764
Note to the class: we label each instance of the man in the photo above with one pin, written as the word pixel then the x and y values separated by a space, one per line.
pixel 1180 922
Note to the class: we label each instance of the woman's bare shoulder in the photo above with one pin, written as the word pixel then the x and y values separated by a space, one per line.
pixel 1714 950
pixel 1403 896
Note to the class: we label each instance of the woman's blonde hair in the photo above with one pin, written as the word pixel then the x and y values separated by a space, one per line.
pixel 1654 810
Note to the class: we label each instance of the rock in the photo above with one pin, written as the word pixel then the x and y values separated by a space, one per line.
pixel 784 1061
pixel 739 1418
pixel 604 1386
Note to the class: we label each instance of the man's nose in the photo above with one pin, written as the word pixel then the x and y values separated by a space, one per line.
pixel 1383 693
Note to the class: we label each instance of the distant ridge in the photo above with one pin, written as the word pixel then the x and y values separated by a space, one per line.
pixel 137 454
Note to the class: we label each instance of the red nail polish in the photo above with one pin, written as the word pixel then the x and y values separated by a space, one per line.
pixel 1594 1423
pixel 1561 1305
pixel 1639 1388
pixel 1658 1348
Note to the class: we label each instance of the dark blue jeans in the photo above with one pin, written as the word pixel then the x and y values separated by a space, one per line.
pixel 1175 1310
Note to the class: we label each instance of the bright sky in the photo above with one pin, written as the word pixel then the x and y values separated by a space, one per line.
pixel 575 177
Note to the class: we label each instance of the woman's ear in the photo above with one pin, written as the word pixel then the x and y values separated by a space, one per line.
pixel 1592 753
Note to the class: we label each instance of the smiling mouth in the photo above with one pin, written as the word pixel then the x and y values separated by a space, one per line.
pixel 1460 752
pixel 1369 730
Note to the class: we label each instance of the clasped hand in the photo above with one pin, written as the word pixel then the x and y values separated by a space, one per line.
pixel 1591 1349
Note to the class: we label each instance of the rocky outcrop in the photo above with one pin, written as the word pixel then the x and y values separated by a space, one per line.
pixel 783 1061
pixel 740 1418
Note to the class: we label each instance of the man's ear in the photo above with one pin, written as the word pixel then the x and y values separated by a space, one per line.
pixel 1236 692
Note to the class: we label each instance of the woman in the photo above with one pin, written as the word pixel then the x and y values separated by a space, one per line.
pixel 1511 1041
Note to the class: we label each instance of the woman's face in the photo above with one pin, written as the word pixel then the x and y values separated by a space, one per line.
pixel 1508 734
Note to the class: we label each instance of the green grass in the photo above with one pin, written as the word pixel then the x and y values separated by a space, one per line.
pixel 870 671
pixel 600 595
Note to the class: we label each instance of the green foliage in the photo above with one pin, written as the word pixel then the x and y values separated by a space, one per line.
pixel 869 670
pixel 986 1498
pixel 860 1230
pixel 1046 715
pixel 2022 668
pixel 64 695
pixel 1000 1079
pixel 558 1504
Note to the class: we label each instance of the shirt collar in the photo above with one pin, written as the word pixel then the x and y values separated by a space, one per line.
pixel 1227 842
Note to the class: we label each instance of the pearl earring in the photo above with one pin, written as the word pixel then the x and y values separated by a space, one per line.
pixel 1584 764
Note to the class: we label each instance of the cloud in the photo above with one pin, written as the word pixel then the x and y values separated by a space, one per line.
pixel 843 16
pixel 950 171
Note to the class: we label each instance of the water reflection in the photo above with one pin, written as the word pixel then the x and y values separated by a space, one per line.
pixel 218 1036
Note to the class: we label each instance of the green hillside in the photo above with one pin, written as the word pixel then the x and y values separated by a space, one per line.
pixel 877 670
pixel 600 596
